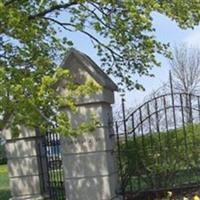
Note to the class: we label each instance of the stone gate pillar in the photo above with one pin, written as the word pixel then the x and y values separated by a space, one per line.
pixel 27 179
pixel 90 171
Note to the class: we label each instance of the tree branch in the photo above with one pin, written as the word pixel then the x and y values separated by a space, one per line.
pixel 63 25
pixel 9 2
pixel 97 17
pixel 52 9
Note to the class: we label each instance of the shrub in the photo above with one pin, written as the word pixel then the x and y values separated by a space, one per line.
pixel 3 159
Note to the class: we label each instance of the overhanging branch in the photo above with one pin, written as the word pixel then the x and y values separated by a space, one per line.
pixel 64 25
pixel 52 9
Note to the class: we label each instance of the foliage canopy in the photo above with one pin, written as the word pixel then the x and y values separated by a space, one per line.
pixel 31 49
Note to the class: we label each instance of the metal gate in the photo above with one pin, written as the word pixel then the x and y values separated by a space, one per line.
pixel 51 166
pixel 159 146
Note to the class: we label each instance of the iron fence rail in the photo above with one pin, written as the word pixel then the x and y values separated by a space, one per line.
pixel 51 166
pixel 158 144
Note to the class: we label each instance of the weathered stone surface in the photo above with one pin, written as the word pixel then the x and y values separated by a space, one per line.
pixel 99 140
pixel 24 133
pixel 90 171
pixel 25 185
pixel 21 148
pixel 103 96
pixel 95 164
pixel 91 188
pixel 23 167
pixel 83 68
pixel 101 111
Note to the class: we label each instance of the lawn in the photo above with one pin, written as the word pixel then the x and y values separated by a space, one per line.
pixel 4 183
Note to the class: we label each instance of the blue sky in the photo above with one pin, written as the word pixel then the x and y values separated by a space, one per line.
pixel 166 31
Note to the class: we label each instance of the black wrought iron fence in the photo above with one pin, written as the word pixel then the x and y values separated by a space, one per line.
pixel 51 164
pixel 159 144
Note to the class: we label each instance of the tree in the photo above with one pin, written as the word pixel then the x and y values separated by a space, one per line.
pixel 185 65
pixel 30 50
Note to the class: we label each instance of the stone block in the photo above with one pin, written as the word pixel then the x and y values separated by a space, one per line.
pixel 91 188
pixel 103 113
pixel 88 164
pixel 99 140
pixel 23 167
pixel 21 148
pixel 24 133
pixel 24 186
pixel 103 95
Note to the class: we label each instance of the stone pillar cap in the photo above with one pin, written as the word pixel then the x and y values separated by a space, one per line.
pixel 91 67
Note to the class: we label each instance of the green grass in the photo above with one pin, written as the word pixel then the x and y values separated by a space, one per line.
pixel 4 183
pixel 56 174
pixel 165 159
